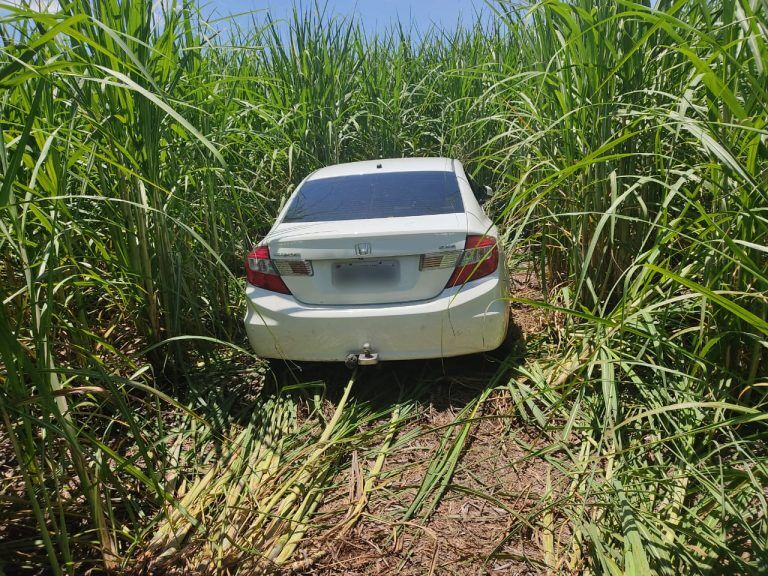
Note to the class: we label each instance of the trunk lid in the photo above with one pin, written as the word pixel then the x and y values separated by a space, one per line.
pixel 370 261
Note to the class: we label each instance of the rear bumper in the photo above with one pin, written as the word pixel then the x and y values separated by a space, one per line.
pixel 461 320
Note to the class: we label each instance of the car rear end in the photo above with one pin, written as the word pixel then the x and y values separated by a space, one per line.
pixel 386 257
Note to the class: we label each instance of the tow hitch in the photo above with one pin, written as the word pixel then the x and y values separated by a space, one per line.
pixel 365 358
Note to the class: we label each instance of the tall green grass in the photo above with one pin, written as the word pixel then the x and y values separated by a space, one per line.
pixel 143 149
pixel 643 166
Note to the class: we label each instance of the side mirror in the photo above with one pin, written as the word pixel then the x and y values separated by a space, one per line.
pixel 483 194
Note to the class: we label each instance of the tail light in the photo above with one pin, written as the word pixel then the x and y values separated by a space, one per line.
pixel 440 260
pixel 480 258
pixel 262 272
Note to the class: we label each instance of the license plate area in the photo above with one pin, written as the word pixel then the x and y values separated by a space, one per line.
pixel 365 273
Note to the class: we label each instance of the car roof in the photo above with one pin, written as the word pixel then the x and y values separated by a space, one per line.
pixel 385 165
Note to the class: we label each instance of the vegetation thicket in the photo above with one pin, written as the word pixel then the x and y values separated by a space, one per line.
pixel 143 147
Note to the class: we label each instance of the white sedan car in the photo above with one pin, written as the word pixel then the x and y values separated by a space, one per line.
pixel 378 260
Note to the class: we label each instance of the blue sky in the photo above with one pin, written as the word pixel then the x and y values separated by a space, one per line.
pixel 374 14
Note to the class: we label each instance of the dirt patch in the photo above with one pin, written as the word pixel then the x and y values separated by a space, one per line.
pixel 530 319
pixel 484 523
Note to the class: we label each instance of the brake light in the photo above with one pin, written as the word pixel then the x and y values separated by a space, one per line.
pixel 480 258
pixel 261 271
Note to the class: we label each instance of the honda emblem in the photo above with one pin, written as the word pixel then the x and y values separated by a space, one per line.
pixel 363 249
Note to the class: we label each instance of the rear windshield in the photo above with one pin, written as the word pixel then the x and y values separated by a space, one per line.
pixel 383 195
